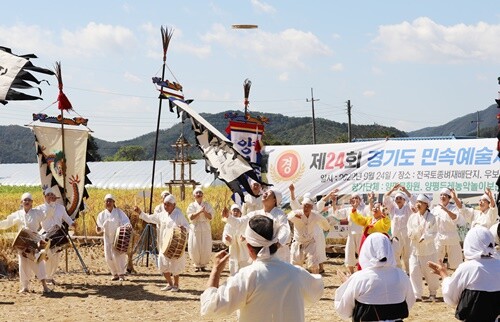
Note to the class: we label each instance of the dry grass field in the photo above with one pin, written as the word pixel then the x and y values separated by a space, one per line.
pixel 94 297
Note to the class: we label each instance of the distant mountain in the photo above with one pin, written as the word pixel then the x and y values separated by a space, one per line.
pixel 465 125
pixel 17 142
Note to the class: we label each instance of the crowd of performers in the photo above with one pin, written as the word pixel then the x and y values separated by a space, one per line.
pixel 276 258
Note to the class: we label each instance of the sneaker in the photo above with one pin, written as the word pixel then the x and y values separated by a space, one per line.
pixel 432 298
pixel 24 291
pixel 175 289
pixel 52 281
pixel 418 299
pixel 121 278
pixel 167 288
pixel 115 278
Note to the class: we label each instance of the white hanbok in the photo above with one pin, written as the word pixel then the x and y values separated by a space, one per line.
pixel 200 235
pixel 447 237
pixel 251 204
pixel 238 252
pixel 54 215
pixel 476 217
pixel 267 290
pixel 379 287
pixel 109 222
pixel 28 220
pixel 165 221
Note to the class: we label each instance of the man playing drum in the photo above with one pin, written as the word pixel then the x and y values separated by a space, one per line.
pixel 55 215
pixel 169 219
pixel 27 218
pixel 108 221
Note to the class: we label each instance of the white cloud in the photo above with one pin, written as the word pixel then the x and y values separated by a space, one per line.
pixel 132 78
pixel 262 6
pixel 27 39
pixel 198 51
pixel 338 67
pixel 283 77
pixel 98 40
pixel 424 40
pixel 286 50
pixel 369 93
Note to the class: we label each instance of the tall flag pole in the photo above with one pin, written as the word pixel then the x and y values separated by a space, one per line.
pixel 498 149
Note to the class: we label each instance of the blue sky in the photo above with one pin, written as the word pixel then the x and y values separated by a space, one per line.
pixel 407 64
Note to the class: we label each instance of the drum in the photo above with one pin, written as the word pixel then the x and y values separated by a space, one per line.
pixel 31 245
pixel 57 237
pixel 122 238
pixel 174 242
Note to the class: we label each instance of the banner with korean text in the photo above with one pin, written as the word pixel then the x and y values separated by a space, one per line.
pixel 422 166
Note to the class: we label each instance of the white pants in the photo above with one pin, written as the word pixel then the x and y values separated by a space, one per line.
pixel 305 253
pixel 52 263
pixel 28 269
pixel 419 269
pixel 401 247
pixel 454 252
pixel 351 249
pixel 117 261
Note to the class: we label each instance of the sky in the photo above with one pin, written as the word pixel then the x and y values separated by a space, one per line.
pixel 407 64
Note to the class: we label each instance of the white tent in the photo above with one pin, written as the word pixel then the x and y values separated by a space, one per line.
pixel 111 175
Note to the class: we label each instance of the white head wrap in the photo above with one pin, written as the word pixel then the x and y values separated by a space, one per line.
pixel 256 240
pixel 445 191
pixel 278 197
pixel 109 196
pixel 376 247
pixel 307 195
pixel 485 197
pixel 48 190
pixel 26 195
pixel 401 194
pixel 424 198
pixel 164 193
pixel 478 242
pixel 235 206
pixel 169 199
pixel 197 189
pixel 307 201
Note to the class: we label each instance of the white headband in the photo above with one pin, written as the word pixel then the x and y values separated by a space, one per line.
pixel 256 240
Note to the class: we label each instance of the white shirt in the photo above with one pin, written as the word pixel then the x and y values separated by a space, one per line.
pixel 303 227
pixel 29 220
pixel 477 217
pixel 399 216
pixel 267 290
pixel 110 221
pixel 345 213
pixel 237 247
pixel 164 220
pixel 477 275
pixel 201 222
pixel 251 204
pixel 54 215
pixel 447 232
pixel 422 232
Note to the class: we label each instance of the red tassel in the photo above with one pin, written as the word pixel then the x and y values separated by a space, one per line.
pixel 64 103
pixel 258 146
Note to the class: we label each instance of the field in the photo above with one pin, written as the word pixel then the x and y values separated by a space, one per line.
pixel 94 297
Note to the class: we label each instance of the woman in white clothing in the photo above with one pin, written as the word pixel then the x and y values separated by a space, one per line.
pixel 379 292
pixel 232 236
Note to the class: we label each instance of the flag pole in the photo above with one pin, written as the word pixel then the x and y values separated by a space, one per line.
pixel 166 35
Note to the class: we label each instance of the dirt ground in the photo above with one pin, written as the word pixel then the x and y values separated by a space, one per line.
pixel 94 297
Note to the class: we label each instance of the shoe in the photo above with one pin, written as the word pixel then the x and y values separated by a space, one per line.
pixel 167 288
pixel 52 281
pixel 121 278
pixel 203 269
pixel 418 299
pixel 24 291
pixel 115 278
pixel 432 298
pixel 175 289
pixel 47 290
pixel 197 269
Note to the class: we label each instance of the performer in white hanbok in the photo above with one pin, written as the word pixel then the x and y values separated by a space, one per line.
pixel 232 236
pixel 199 214
pixel 271 199
pixel 447 218
pixel 305 222
pixel 495 231
pixel 474 288
pixel 380 291
pixel 422 233
pixel 107 222
pixel 55 215
pixel 485 216
pixel 168 218
pixel 268 289
pixel 27 218
pixel 252 203
pixel 399 207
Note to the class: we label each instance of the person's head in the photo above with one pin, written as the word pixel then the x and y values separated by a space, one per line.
pixel 271 198
pixel 169 203
pixel 260 235
pixel 355 200
pixel 49 195
pixel 198 194
pixel 423 203
pixel 307 206
pixel 109 201
pixel 27 200
pixel 236 210
pixel 376 251
pixel 479 242
pixel 164 193
pixel 379 210
pixel 445 196
pixel 256 187
pixel 484 202
pixel 400 199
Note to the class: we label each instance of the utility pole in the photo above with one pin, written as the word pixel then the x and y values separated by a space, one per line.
pixel 313 118
pixel 477 121
pixel 349 133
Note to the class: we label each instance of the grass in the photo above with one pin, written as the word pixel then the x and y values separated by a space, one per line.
pixel 219 197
